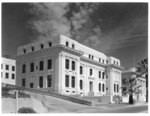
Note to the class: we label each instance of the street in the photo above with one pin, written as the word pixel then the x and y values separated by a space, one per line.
pixel 123 109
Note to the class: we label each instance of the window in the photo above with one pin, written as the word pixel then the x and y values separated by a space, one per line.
pixel 114 62
pixel 41 65
pixel 103 87
pixel 73 65
pixel 81 70
pixel 114 87
pixel 49 66
pixel 89 56
pixel 6 75
pixel 50 44
pixel 23 82
pixel 92 57
pixel 7 67
pixel 103 75
pixel 32 67
pixel 81 84
pixel 13 76
pixel 67 43
pixel 99 86
pixel 73 82
pixel 42 46
pixel 117 88
pixel 91 71
pixel 1 66
pixel 13 68
pixel 67 64
pixel 41 82
pixel 103 61
pixel 24 51
pixel 67 81
pixel 49 81
pixel 23 68
pixel 73 46
pixel 99 60
pixel 107 61
pixel 32 48
pixel 99 74
pixel 31 85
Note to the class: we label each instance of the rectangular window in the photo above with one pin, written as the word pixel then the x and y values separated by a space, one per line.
pixel 32 48
pixel 67 43
pixel 42 46
pixel 73 82
pixel 67 64
pixel 67 81
pixel 81 84
pixel 49 66
pixel 99 86
pixel 73 46
pixel 91 71
pixel 89 56
pixel 32 67
pixel 114 87
pixel 41 82
pixel 117 88
pixel 13 76
pixel 13 68
pixel 103 75
pixel 23 82
pixel 31 85
pixel 81 70
pixel 99 74
pixel 73 65
pixel 6 75
pixel 99 59
pixel 41 65
pixel 24 51
pixel 50 44
pixel 49 81
pixel 7 67
pixel 23 68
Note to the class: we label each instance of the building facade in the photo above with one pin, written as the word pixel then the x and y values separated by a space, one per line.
pixel 64 66
pixel 8 71
pixel 140 82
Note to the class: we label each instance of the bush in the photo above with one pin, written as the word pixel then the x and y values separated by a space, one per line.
pixel 26 110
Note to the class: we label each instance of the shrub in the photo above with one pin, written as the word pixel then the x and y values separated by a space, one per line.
pixel 26 110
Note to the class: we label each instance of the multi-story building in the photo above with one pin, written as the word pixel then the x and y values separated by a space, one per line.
pixel 64 66
pixel 8 71
pixel 140 83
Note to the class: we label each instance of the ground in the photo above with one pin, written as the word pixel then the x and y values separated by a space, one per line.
pixel 48 104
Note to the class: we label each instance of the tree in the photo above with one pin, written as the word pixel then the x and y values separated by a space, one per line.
pixel 142 70
pixel 131 87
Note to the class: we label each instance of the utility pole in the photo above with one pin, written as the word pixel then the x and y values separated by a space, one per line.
pixel 16 101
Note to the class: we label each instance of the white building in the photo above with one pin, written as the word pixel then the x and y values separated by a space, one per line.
pixel 64 66
pixel 8 71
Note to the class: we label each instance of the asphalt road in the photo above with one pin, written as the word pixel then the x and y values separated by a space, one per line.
pixel 123 109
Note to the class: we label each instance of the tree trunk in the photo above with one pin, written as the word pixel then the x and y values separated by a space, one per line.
pixel 146 88
pixel 131 99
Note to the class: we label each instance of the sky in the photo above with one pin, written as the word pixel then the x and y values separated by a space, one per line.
pixel 116 29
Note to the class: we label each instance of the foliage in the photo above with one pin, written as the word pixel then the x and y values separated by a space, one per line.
pixel 142 70
pixel 26 110
pixel 131 87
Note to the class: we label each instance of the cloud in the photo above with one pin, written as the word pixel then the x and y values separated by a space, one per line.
pixel 49 19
